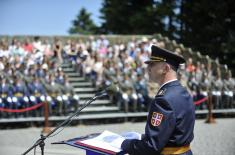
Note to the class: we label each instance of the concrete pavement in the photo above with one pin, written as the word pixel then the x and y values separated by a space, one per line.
pixel 210 139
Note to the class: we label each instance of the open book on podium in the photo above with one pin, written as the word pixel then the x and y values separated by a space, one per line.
pixel 105 143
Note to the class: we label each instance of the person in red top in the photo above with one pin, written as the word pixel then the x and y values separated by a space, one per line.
pixel 28 47
pixel 190 67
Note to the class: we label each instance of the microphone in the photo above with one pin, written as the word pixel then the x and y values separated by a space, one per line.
pixel 109 90
pixel 112 88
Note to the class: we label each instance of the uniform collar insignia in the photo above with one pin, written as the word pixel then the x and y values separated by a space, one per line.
pixel 161 92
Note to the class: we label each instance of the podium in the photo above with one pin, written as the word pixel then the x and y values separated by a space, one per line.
pixel 90 150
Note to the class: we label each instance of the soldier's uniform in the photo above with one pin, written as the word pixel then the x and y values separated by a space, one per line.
pixel 142 91
pixel 129 96
pixel 171 117
pixel 40 72
pixel 204 85
pixel 217 86
pixel 5 95
pixel 116 96
pixel 30 73
pixel 20 92
pixel 36 91
pixel 68 92
pixel 53 89
pixel 228 87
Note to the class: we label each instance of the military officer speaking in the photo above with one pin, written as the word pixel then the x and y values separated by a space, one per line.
pixel 171 117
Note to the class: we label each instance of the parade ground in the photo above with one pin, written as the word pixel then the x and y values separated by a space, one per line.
pixel 210 139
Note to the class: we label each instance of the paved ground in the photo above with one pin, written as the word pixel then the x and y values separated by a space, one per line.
pixel 210 139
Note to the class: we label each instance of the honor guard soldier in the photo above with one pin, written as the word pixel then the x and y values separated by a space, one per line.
pixel 217 86
pixel 70 99
pixel 5 96
pixel 20 94
pixel 205 86
pixel 37 94
pixel 129 96
pixel 228 88
pixel 54 97
pixel 142 92
pixel 171 117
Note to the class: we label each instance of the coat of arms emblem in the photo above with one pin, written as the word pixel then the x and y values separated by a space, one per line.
pixel 156 119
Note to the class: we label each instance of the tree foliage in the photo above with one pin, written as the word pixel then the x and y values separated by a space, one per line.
pixel 209 26
pixel 83 24
pixel 204 25
pixel 130 17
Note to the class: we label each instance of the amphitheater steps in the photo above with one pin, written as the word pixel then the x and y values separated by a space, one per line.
pixel 84 89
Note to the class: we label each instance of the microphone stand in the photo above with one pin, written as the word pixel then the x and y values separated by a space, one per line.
pixel 42 138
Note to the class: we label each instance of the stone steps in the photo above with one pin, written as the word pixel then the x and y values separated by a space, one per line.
pixel 76 79
pixel 78 90
pixel 81 84
pixel 68 70
pixel 100 109
pixel 90 95
pixel 72 74
pixel 96 102
pixel 84 89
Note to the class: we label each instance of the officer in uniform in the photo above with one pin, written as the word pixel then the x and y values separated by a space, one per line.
pixel 170 122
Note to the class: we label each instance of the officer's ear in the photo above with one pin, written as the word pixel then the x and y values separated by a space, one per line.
pixel 166 68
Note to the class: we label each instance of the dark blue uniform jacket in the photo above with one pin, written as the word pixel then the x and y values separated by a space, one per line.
pixel 170 122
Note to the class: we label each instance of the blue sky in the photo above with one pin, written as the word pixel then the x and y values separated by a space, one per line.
pixel 43 17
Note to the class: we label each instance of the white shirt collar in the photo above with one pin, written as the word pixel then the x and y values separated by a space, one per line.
pixel 166 83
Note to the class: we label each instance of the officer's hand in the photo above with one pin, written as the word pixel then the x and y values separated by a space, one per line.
pixel 117 142
pixel 131 135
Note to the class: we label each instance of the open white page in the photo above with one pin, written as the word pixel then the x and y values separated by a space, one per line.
pixel 105 140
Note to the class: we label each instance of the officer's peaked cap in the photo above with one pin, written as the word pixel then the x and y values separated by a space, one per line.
pixel 162 55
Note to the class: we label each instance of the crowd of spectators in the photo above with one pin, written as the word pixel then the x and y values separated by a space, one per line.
pixel 30 74
pixel 102 62
pixel 123 63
